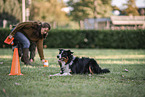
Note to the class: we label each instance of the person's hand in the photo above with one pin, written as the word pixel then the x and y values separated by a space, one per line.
pixel 31 60
pixel 10 36
pixel 43 60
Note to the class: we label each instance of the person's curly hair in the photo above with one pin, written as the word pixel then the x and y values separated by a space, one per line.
pixel 37 27
pixel 46 25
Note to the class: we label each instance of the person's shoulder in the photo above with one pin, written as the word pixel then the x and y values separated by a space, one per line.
pixel 29 24
pixel 38 22
pixel 23 23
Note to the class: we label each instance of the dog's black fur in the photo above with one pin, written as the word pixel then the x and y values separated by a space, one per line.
pixel 78 65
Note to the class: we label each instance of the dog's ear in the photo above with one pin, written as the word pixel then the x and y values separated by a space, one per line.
pixel 60 49
pixel 70 51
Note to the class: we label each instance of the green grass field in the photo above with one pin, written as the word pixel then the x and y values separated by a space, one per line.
pixel 36 81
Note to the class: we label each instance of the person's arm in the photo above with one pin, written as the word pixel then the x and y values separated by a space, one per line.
pixel 40 49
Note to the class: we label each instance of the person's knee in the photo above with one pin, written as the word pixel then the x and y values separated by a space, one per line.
pixel 26 44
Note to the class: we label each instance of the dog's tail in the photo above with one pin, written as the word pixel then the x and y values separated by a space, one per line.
pixel 105 71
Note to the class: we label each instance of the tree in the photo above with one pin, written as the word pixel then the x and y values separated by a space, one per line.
pixel 131 8
pixel 1 6
pixel 83 9
pixel 103 8
pixel 115 8
pixel 13 7
pixel 10 10
pixel 48 10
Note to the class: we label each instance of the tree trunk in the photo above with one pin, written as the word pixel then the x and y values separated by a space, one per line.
pixel 81 24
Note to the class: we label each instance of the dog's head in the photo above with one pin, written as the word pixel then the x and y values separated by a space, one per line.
pixel 64 57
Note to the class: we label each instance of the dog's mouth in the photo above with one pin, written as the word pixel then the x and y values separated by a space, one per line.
pixel 62 59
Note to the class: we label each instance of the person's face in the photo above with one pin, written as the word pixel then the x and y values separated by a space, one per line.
pixel 44 32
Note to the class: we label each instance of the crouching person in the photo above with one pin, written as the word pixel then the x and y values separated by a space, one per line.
pixel 27 32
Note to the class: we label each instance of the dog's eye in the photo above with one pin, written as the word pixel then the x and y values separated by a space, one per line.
pixel 63 54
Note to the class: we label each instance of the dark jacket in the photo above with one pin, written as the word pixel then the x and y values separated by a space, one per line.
pixel 30 30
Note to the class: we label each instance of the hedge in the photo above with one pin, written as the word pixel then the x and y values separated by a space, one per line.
pixel 122 39
pixel 3 34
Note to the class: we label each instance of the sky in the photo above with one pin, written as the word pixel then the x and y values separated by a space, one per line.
pixel 118 3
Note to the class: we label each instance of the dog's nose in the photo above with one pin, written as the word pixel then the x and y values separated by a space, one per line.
pixel 57 56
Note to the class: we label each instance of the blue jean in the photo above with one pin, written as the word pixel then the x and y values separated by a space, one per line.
pixel 22 39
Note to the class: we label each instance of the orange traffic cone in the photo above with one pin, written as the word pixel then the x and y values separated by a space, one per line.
pixel 15 67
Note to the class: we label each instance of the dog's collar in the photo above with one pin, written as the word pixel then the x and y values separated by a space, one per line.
pixel 72 61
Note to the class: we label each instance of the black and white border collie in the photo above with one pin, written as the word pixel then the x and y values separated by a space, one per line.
pixel 75 65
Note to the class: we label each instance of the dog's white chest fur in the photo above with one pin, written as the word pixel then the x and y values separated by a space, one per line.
pixel 65 67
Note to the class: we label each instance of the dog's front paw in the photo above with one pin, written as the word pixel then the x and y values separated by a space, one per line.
pixel 64 74
pixel 58 74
